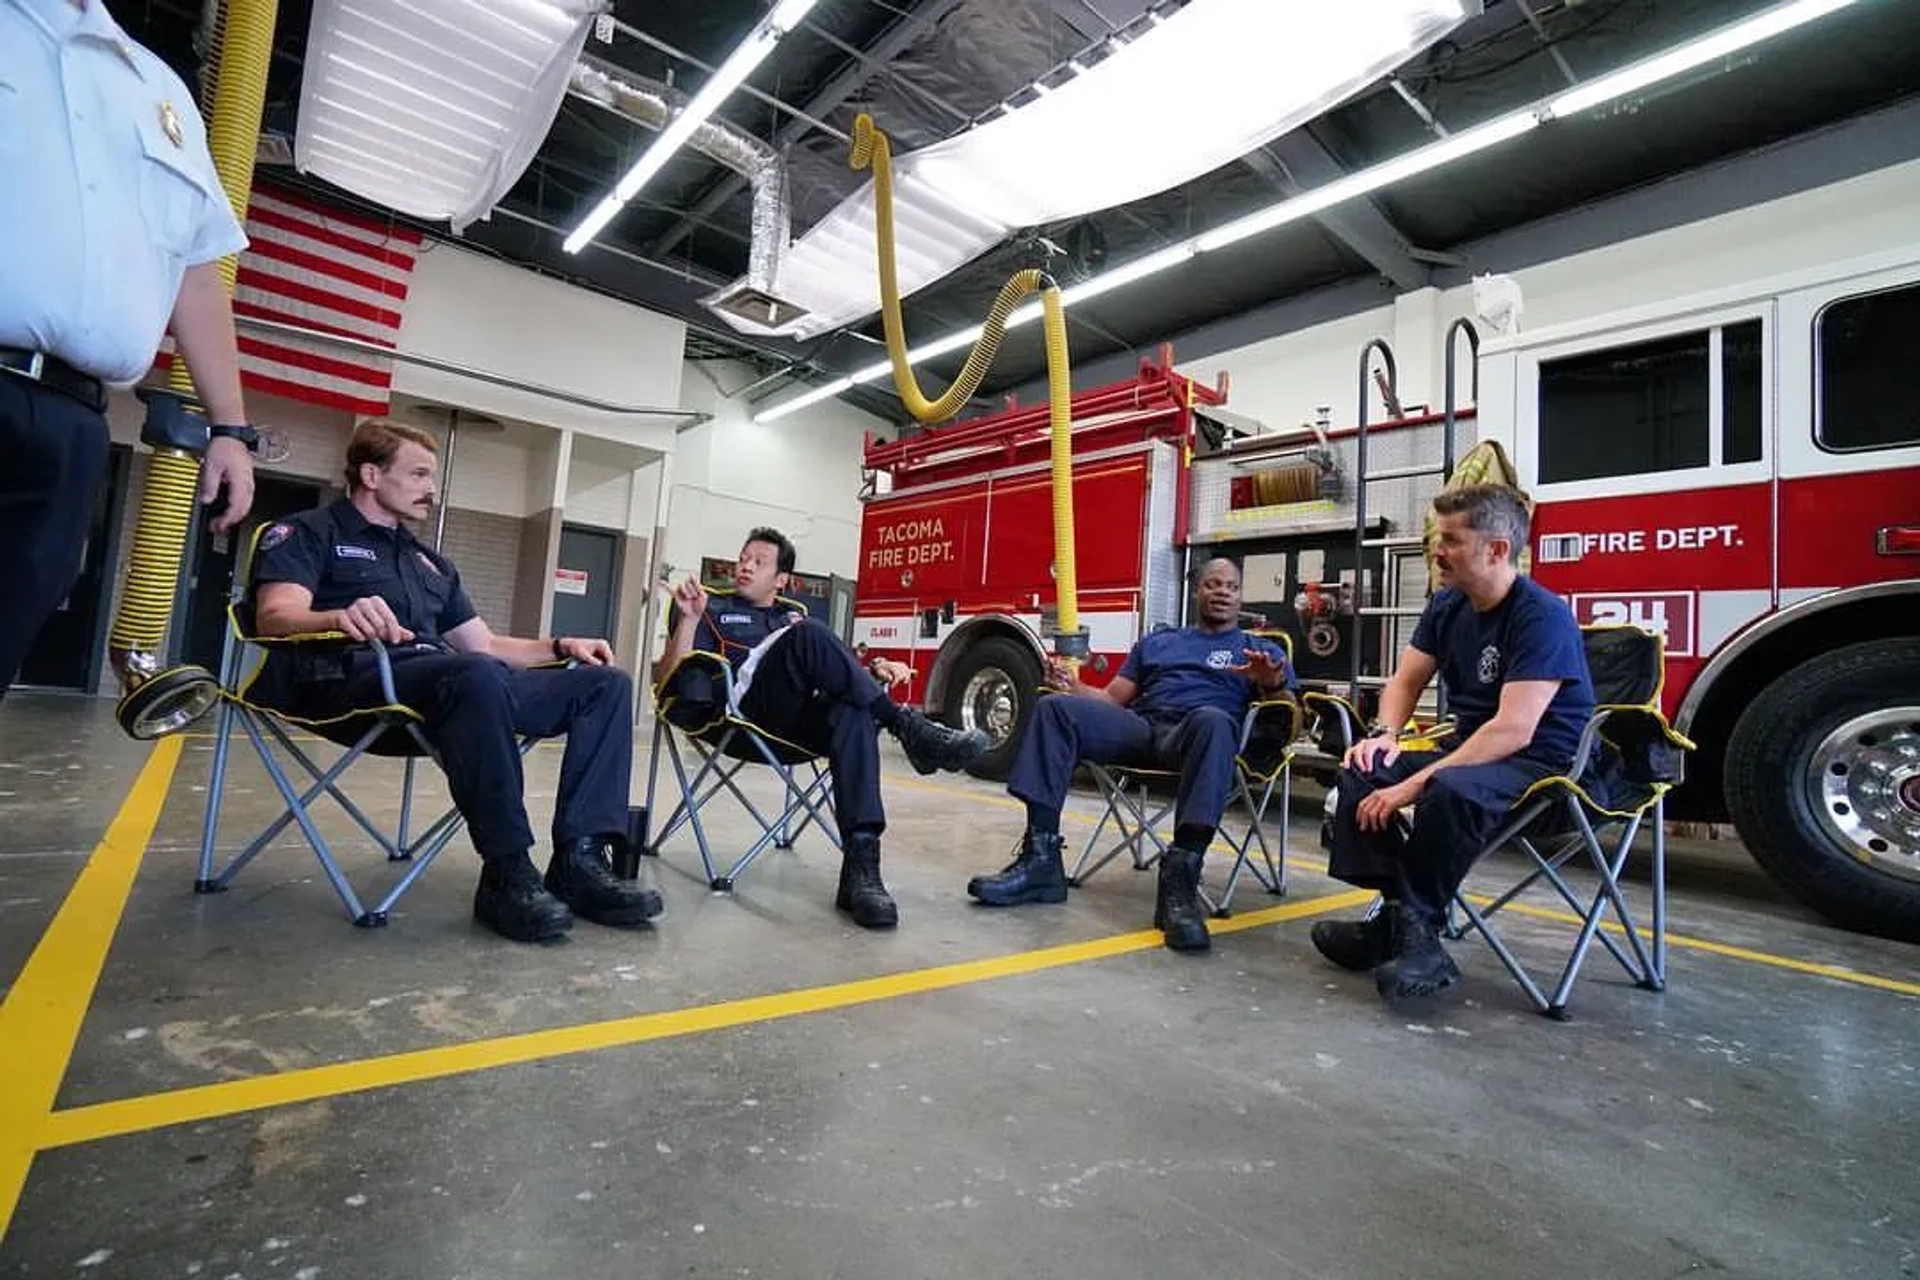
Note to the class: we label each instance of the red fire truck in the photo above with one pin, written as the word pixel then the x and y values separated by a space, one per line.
pixel 1740 471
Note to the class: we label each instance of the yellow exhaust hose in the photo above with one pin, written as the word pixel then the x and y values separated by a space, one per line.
pixel 238 90
pixel 871 149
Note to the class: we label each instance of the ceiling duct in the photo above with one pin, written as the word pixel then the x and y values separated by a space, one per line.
pixel 434 108
pixel 654 105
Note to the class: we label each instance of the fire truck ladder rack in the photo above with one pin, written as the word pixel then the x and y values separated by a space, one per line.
pixel 1392 607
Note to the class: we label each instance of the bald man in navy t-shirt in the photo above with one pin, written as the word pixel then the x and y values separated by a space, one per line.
pixel 1177 703
pixel 1509 654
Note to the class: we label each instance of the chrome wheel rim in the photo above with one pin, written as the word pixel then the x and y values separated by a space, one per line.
pixel 990 704
pixel 1865 783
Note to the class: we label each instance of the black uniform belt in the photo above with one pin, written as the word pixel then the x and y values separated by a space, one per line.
pixel 54 374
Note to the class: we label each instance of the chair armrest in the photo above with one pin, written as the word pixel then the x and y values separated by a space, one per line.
pixel 1337 710
pixel 715 666
pixel 1271 720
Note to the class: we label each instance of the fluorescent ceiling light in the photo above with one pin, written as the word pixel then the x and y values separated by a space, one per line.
pixel 1431 156
pixel 740 64
pixel 1640 75
pixel 1694 53
pixel 1246 71
pixel 434 108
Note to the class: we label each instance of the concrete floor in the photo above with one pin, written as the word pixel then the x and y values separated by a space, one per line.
pixel 1080 1102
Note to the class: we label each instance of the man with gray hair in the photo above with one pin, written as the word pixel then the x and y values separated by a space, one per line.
pixel 1509 654
pixel 1176 703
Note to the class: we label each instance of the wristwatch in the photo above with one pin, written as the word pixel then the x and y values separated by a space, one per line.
pixel 558 652
pixel 244 433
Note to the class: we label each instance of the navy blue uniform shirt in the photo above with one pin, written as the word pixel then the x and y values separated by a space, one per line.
pixel 1530 635
pixel 732 626
pixel 1181 670
pixel 340 556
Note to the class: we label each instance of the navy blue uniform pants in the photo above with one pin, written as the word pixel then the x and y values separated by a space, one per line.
pixel 473 705
pixel 810 690
pixel 1066 729
pixel 53 451
pixel 1453 819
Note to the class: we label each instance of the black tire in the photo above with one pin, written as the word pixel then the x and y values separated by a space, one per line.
pixel 1003 701
pixel 1860 868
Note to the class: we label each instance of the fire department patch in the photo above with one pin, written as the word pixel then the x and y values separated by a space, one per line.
pixel 274 536
pixel 1490 664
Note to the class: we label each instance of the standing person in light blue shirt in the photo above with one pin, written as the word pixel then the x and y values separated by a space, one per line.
pixel 113 221
pixel 1176 703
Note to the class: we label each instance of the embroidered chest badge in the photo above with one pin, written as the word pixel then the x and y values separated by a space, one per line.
pixel 1220 659
pixel 1490 664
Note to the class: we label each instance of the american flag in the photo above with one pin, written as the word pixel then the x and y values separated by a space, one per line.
pixel 339 273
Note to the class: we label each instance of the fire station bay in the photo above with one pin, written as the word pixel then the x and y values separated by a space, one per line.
pixel 882 639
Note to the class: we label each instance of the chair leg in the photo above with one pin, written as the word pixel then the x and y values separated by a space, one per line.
pixel 216 790
pixel 297 810
pixel 653 774
pixel 1658 978
pixel 406 812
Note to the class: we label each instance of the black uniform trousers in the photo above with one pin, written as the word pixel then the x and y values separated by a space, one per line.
pixel 1067 729
pixel 53 451
pixel 473 705
pixel 810 690
pixel 1456 813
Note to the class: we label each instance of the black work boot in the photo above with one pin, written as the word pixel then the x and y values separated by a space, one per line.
pixel 510 901
pixel 581 875
pixel 1420 966
pixel 1035 875
pixel 1359 945
pixel 1177 911
pixel 862 894
pixel 931 746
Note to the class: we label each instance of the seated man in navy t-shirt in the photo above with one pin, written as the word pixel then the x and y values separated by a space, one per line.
pixel 1509 655
pixel 1177 703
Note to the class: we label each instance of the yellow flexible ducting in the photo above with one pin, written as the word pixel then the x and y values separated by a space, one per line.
pixel 871 149
pixel 237 93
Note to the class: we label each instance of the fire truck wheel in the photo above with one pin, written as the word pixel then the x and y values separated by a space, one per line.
pixel 1823 781
pixel 993 687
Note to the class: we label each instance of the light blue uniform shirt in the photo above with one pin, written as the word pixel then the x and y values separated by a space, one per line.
pixel 101 210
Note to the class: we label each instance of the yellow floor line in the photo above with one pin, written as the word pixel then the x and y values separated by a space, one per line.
pixel 42 1015
pixel 1815 967
pixel 232 1097
pixel 1682 941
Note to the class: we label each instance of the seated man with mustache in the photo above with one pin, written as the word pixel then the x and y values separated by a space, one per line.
pixel 355 567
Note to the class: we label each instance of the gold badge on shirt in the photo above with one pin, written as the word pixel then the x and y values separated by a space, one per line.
pixel 170 123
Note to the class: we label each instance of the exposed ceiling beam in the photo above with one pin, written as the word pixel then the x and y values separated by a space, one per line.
pixel 836 91
pixel 1298 161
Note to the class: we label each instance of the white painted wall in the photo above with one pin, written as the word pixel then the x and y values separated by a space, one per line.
pixel 1280 380
pixel 599 494
pixel 801 475
pixel 477 312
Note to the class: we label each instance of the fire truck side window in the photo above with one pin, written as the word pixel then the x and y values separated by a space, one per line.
pixel 1740 392
pixel 1626 410
pixel 1864 349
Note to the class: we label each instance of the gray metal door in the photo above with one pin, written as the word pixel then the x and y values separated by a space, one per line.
pixel 583 582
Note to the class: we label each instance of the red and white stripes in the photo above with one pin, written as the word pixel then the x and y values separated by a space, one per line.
pixel 339 273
